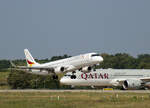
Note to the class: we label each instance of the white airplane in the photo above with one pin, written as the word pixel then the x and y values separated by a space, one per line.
pixel 83 62
pixel 125 78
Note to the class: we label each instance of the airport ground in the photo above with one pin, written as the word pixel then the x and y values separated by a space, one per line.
pixel 73 99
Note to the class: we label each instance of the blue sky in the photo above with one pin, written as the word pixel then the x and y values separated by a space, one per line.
pixel 56 27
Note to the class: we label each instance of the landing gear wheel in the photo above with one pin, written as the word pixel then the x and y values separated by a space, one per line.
pixel 94 68
pixel 73 72
pixel 55 77
pixel 73 77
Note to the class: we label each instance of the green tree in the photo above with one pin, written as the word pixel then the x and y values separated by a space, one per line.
pixel 118 61
pixel 22 80
pixel 144 61
pixel 4 64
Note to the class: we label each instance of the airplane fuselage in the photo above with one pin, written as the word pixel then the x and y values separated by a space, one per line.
pixel 75 62
pixel 105 77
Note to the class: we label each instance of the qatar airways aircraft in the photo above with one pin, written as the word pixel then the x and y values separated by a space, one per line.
pixel 125 78
pixel 83 62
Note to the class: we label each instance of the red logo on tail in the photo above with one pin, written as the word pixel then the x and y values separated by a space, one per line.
pixel 29 62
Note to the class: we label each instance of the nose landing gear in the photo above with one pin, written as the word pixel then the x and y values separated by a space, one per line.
pixel 73 76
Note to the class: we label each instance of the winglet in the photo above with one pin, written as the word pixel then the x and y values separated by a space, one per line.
pixel 12 64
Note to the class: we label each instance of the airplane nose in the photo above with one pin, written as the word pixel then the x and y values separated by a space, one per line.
pixel 101 58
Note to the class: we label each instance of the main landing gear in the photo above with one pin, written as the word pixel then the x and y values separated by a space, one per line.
pixel 55 77
pixel 94 68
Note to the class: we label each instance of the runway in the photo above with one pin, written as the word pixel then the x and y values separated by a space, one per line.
pixel 99 91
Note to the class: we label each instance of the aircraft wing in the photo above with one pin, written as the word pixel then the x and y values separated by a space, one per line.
pixel 145 79
pixel 44 68
pixel 35 67
pixel 51 69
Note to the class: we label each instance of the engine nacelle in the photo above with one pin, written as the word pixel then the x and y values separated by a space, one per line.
pixel 59 69
pixel 86 69
pixel 132 84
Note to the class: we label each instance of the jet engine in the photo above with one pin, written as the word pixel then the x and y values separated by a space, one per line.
pixel 86 69
pixel 59 69
pixel 132 84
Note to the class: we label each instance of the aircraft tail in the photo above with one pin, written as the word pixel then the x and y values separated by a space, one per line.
pixel 29 59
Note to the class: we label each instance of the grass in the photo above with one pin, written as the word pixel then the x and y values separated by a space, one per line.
pixel 3 80
pixel 74 100
pixel 3 76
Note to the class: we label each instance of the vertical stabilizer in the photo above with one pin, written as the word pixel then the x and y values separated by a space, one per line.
pixel 29 59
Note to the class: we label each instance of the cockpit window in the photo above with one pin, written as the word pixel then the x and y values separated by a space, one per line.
pixel 95 55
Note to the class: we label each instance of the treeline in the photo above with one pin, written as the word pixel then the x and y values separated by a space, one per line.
pixel 115 61
pixel 125 61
